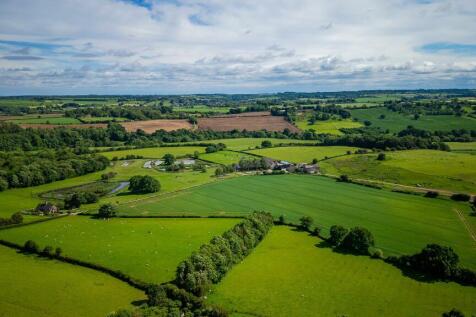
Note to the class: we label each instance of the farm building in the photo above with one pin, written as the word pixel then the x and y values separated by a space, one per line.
pixel 46 208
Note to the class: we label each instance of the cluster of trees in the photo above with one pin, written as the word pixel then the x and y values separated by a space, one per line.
pixel 23 169
pixel 252 164
pixel 14 219
pixel 215 148
pixel 80 198
pixel 429 107
pixel 438 262
pixel 208 265
pixel 356 240
pixel 458 135
pixel 223 170
pixel 31 246
pixel 143 184
pixel 128 112
pixel 106 211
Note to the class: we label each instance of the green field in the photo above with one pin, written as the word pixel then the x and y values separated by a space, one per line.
pixel 201 109
pixel 225 157
pixel 425 168
pixel 287 275
pixel 328 127
pixel 241 144
pixel 401 223
pixel 300 154
pixel 148 249
pixel 463 147
pixel 396 122
pixel 18 199
pixel 102 119
pixel 34 287
pixel 47 120
pixel 156 152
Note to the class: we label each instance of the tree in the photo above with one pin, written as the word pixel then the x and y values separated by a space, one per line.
pixel 3 184
pixel 106 211
pixel 435 260
pixel 337 234
pixel 305 223
pixel 344 178
pixel 73 201
pixel 266 143
pixel 169 159
pixel 358 240
pixel 16 218
pixel 196 155
pixel 314 161
pixel 47 251
pixel 143 184
pixel 31 247
pixel 381 157
pixel 58 251
pixel 460 197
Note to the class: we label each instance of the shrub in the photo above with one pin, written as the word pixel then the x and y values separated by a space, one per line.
pixel 31 247
pixel 460 197
pixel 143 184
pixel 47 251
pixel 58 251
pixel 106 211
pixel 344 178
pixel 358 240
pixel 431 194
pixel 3 184
pixel 316 231
pixel 169 159
pixel 337 234
pixel 435 260
pixel 305 223
pixel 381 157
pixel 266 143
pixel 376 253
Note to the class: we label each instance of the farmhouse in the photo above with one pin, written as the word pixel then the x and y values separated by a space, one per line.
pixel 46 208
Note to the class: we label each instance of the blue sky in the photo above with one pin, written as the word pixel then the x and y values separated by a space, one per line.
pixel 215 46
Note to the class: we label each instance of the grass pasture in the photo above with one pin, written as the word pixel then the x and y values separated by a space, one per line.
pixel 396 122
pixel 225 157
pixel 13 200
pixel 300 154
pixel 328 127
pixel 34 287
pixel 287 275
pixel 156 152
pixel 463 147
pixel 148 249
pixel 242 144
pixel 425 168
pixel 102 119
pixel 401 223
pixel 47 120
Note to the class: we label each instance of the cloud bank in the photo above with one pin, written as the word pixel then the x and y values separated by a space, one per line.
pixel 195 46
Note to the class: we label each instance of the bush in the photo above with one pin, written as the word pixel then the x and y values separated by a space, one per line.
pixel 337 234
pixel 376 253
pixel 169 159
pixel 453 313
pixel 47 251
pixel 266 143
pixel 31 247
pixel 344 178
pixel 305 223
pixel 381 157
pixel 435 260
pixel 106 211
pixel 431 194
pixel 143 184
pixel 358 240
pixel 3 184
pixel 460 197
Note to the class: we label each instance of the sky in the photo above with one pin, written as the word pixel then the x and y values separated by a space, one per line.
pixel 226 46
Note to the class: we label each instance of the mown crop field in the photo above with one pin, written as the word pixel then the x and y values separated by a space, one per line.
pixel 401 223
pixel 48 120
pixel 288 275
pixel 241 144
pixel 328 127
pixel 303 154
pixel 254 121
pixel 150 126
pixel 33 287
pixel 225 157
pixel 425 168
pixel 396 122
pixel 19 199
pixel 156 152
pixel 463 147
pixel 148 249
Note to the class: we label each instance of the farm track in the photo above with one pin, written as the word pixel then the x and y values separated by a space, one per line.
pixel 466 224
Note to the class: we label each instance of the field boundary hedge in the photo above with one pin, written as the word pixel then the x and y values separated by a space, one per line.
pixel 136 283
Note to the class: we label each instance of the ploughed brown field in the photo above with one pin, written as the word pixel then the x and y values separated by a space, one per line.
pixel 150 126
pixel 251 121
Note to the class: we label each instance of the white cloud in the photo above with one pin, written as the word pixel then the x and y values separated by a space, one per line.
pixel 114 46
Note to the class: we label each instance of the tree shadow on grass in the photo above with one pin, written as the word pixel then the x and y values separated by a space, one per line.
pixel 139 302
